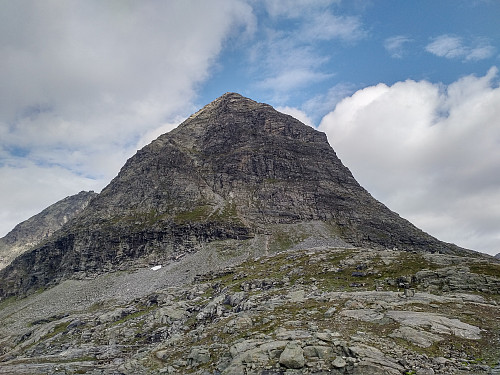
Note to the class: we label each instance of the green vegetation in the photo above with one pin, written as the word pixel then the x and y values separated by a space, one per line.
pixel 59 328
pixel 199 213
pixel 484 268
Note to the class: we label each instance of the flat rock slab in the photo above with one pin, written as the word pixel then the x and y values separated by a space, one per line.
pixel 420 338
pixel 437 323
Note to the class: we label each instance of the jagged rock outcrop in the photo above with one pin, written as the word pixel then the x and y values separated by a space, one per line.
pixel 235 170
pixel 40 227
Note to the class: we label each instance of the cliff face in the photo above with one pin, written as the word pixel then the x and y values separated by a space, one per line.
pixel 40 227
pixel 235 170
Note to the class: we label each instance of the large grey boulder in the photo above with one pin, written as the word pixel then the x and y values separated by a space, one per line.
pixel 293 356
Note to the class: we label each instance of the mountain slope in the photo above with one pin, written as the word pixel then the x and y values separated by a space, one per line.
pixel 236 170
pixel 40 227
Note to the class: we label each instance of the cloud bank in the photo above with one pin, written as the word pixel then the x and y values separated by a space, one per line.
pixel 430 152
pixel 84 84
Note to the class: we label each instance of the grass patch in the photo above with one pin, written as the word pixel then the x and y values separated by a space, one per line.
pixel 134 315
pixel 59 328
pixel 199 213
pixel 483 268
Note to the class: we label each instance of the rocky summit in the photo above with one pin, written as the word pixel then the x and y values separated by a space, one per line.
pixel 239 243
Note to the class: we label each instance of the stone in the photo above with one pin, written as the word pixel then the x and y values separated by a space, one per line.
pixel 318 351
pixel 243 346
pixel 370 368
pixel 238 324
pixel 296 295
pixel 170 313
pixel 367 315
pixel 296 334
pixel 235 299
pixel 339 362
pixel 440 361
pixel 162 355
pixel 374 359
pixel 330 312
pixel 198 356
pixel 293 356
pixel 438 323
pixel 418 337
pixel 425 371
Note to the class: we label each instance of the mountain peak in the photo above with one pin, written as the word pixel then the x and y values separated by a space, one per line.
pixel 238 177
pixel 230 101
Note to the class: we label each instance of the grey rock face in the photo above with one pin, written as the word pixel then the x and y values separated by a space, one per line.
pixel 235 170
pixel 40 227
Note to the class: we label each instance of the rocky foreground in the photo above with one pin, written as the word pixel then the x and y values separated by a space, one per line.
pixel 318 310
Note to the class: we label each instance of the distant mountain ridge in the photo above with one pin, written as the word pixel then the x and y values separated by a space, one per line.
pixel 40 227
pixel 236 170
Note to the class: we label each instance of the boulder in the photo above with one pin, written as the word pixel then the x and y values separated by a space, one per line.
pixel 198 356
pixel 293 356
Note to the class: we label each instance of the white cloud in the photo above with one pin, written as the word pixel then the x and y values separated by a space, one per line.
pixel 290 57
pixel 327 26
pixel 322 104
pixel 447 46
pixel 28 188
pixel 293 78
pixel 85 83
pixel 395 45
pixel 480 52
pixel 296 8
pixel 451 47
pixel 429 152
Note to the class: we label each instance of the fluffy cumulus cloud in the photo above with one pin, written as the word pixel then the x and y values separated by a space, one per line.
pixel 428 151
pixel 452 47
pixel 86 83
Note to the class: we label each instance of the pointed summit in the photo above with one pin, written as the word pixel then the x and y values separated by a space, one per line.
pixel 238 178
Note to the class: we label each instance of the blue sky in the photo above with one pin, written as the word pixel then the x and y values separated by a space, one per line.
pixel 406 91
pixel 384 41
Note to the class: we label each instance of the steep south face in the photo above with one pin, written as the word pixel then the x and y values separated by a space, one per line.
pixel 235 170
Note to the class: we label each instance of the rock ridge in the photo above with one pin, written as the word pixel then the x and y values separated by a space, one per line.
pixel 41 226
